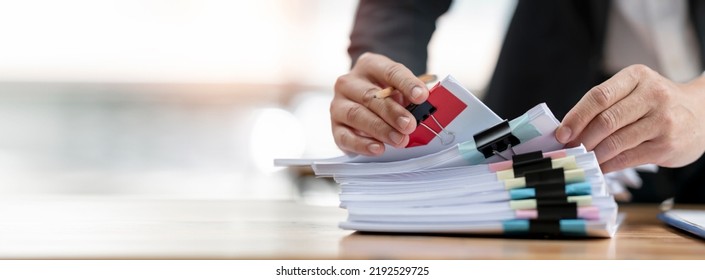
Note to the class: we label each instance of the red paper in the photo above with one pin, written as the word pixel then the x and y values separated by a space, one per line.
pixel 448 107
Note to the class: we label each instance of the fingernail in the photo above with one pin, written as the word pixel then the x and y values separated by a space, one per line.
pixel 563 134
pixel 402 122
pixel 416 93
pixel 375 148
pixel 396 137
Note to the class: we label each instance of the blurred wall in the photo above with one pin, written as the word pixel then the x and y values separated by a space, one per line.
pixel 265 41
pixel 189 98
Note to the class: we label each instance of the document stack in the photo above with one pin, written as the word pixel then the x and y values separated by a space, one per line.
pixel 467 171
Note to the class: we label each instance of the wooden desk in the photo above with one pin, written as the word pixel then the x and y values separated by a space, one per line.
pixel 125 228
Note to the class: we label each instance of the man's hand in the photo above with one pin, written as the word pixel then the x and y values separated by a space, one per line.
pixel 638 117
pixel 360 122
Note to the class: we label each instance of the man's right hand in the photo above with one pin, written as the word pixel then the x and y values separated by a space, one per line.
pixel 360 122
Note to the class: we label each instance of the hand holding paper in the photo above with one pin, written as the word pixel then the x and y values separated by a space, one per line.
pixel 465 170
pixel 361 123
pixel 450 116
pixel 638 117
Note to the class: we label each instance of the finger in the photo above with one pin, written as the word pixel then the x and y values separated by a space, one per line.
pixel 385 71
pixel 598 99
pixel 348 141
pixel 393 113
pixel 633 157
pixel 361 118
pixel 625 112
pixel 399 98
pixel 626 138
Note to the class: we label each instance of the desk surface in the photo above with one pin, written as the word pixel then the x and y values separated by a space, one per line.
pixel 124 228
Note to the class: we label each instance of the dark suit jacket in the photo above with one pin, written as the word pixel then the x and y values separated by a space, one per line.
pixel 552 53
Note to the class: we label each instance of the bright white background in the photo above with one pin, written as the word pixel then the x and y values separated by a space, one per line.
pixel 189 98
pixel 266 41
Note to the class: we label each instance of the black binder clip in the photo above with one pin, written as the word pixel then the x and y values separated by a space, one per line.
pixel 556 209
pixel 528 162
pixel 545 227
pixel 523 167
pixel 548 184
pixel 422 112
pixel 518 158
pixel 545 177
pixel 495 140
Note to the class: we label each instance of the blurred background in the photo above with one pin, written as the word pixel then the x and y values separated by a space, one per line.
pixel 191 98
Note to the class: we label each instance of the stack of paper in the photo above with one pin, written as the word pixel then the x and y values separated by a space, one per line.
pixel 567 198
pixel 467 171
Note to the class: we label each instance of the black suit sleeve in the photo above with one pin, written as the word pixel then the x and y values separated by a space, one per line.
pixel 399 29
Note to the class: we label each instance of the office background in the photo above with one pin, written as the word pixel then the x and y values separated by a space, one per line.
pixel 190 99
